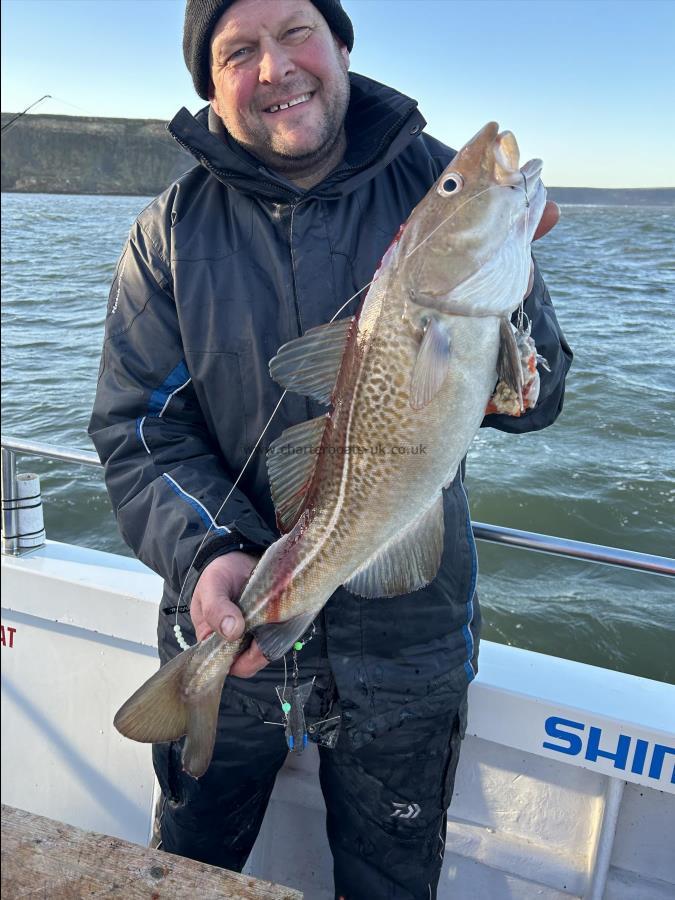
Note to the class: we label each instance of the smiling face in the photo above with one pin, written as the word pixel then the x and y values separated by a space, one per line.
pixel 280 85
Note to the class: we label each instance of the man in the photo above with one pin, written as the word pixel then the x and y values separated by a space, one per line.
pixel 305 175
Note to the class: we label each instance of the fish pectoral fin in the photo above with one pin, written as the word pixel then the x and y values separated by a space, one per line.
pixel 406 563
pixel 277 638
pixel 509 368
pixel 431 366
pixel 310 364
pixel 291 461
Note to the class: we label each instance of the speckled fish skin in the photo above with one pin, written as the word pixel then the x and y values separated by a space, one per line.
pixel 459 267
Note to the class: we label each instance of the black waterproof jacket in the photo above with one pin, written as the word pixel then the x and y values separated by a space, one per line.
pixel 219 271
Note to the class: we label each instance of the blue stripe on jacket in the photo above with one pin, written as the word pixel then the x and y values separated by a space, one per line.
pixel 172 382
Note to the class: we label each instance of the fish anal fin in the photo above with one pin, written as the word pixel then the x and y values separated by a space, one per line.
pixel 276 638
pixel 291 462
pixel 407 562
pixel 431 366
pixel 310 364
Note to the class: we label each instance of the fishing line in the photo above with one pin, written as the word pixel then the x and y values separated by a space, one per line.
pixel 283 691
pixel 87 112
pixel 177 628
pixel 453 214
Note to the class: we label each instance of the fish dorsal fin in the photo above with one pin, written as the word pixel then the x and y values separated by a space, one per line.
pixel 310 364
pixel 431 366
pixel 291 461
pixel 407 562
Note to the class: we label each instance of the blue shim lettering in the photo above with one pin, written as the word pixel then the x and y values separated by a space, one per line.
pixel 639 757
pixel 554 730
pixel 657 762
pixel 577 738
pixel 593 750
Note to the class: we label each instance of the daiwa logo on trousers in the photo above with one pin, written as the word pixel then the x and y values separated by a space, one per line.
pixel 405 811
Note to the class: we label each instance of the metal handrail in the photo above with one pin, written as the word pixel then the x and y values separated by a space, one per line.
pixel 50 451
pixel 557 546
pixel 494 534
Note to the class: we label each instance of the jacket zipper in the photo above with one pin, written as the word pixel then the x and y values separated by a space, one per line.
pixel 298 316
pixel 221 174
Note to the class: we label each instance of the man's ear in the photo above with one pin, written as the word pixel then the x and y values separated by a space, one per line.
pixel 344 53
pixel 213 99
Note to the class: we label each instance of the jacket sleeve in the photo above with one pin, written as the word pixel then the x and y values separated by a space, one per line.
pixel 551 344
pixel 163 473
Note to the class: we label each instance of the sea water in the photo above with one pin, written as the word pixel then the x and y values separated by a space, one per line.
pixel 604 472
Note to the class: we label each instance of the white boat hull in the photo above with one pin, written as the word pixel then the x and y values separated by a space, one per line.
pixel 565 786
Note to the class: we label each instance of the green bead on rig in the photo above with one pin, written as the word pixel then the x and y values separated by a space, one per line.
pixel 298 645
pixel 286 707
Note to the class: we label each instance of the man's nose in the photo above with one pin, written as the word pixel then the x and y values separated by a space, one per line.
pixel 275 63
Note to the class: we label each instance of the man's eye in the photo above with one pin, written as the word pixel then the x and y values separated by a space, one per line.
pixel 299 33
pixel 238 55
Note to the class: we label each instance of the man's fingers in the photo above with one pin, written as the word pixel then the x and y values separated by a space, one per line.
pixel 219 614
pixel 232 625
pixel 548 219
pixel 249 662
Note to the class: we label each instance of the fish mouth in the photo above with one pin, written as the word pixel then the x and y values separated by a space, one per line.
pixel 496 154
pixel 506 169
pixel 507 152
pixel 495 150
pixel 507 159
pixel 531 170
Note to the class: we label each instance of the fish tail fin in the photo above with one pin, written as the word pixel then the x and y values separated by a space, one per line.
pixel 201 731
pixel 163 710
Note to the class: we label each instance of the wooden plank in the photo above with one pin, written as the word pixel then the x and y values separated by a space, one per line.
pixel 42 858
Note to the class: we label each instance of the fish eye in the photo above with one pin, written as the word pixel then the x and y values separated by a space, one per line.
pixel 451 184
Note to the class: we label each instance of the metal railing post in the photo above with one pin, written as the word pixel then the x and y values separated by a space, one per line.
pixel 10 540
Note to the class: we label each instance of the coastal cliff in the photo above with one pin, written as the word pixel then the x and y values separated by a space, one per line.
pixel 88 155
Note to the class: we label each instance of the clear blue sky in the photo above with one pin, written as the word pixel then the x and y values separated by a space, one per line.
pixel 588 86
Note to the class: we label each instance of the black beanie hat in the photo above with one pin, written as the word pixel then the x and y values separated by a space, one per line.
pixel 200 20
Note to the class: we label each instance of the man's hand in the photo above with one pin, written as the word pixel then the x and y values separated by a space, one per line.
pixel 213 607
pixel 549 218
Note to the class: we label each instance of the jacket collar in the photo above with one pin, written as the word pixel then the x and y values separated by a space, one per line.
pixel 380 123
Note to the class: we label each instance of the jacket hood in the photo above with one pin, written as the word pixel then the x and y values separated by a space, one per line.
pixel 380 123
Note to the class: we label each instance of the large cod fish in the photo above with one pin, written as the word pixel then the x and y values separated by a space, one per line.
pixel 414 369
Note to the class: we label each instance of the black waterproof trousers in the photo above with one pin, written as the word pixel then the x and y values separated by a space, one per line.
pixel 386 802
